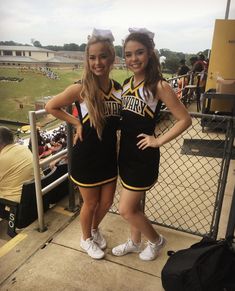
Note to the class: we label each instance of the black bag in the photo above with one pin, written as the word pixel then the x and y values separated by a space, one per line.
pixel 205 266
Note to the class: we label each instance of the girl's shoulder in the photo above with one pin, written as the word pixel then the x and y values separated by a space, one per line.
pixel 73 91
pixel 162 84
pixel 164 90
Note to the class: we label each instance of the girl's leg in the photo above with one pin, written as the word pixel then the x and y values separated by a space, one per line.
pixel 107 192
pixel 90 198
pixel 129 209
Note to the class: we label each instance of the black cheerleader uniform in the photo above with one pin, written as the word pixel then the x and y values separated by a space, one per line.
pixel 138 168
pixel 94 161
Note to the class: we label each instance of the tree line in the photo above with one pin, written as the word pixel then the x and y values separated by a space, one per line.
pixel 170 65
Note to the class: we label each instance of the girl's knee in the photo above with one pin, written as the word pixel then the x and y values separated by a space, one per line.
pixel 89 206
pixel 126 212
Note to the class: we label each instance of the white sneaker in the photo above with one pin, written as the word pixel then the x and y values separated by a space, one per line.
pixel 127 247
pixel 91 248
pixel 99 238
pixel 152 250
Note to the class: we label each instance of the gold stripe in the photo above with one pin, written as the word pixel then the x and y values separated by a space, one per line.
pixel 149 112
pixel 136 88
pixel 11 244
pixel 135 188
pixel 85 119
pixel 93 185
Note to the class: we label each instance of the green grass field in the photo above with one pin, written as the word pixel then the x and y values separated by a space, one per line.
pixel 34 87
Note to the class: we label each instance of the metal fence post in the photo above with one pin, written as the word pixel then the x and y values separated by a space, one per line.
pixel 223 177
pixel 72 205
pixel 37 175
pixel 231 219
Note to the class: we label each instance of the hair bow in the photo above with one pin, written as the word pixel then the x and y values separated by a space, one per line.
pixel 142 30
pixel 105 34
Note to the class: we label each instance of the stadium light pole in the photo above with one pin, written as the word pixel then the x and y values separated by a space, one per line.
pixel 227 9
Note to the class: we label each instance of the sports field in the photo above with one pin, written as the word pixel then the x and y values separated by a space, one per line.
pixel 17 98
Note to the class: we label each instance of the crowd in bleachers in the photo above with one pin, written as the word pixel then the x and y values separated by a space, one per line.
pixel 190 79
pixel 18 203
pixel 45 71
pixel 50 142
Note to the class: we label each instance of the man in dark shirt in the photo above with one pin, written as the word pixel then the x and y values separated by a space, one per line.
pixel 183 69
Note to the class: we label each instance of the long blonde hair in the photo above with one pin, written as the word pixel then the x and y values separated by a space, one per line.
pixel 91 92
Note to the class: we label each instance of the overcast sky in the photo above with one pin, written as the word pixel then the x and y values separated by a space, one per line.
pixel 179 25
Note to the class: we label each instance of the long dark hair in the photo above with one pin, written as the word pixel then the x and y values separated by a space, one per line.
pixel 153 69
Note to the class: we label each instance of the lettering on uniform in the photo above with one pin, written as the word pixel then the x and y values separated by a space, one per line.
pixel 133 104
pixel 112 108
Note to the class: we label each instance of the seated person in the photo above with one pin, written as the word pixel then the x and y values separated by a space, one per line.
pixel 197 64
pixel 16 166
pixel 182 81
pixel 183 68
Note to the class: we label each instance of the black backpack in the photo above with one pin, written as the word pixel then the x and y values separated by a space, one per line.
pixel 206 266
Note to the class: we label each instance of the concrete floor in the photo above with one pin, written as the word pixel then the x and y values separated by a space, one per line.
pixel 53 260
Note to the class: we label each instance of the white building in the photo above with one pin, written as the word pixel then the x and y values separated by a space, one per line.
pixel 31 55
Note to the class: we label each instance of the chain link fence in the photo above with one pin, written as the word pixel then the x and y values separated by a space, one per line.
pixel 192 176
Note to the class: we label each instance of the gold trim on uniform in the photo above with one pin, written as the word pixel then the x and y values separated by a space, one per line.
pixel 94 184
pixel 149 112
pixel 136 188
pixel 85 118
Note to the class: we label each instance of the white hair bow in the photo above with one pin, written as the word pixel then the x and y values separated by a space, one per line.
pixel 142 30
pixel 105 34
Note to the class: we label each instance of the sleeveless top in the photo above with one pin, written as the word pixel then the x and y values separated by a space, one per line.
pixel 94 161
pixel 138 168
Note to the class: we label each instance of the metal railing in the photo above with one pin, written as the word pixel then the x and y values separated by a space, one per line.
pixel 188 87
pixel 39 164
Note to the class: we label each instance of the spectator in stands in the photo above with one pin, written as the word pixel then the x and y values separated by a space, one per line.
pixel 41 143
pixel 94 154
pixel 199 68
pixel 183 68
pixel 183 81
pixel 203 75
pixel 197 64
pixel 16 166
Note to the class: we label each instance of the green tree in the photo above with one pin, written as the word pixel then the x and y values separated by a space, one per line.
pixel 37 43
pixel 119 51
pixel 171 64
pixel 82 47
pixel 54 47
pixel 71 47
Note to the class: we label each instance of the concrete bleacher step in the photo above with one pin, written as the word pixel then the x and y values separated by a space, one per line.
pixel 19 249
